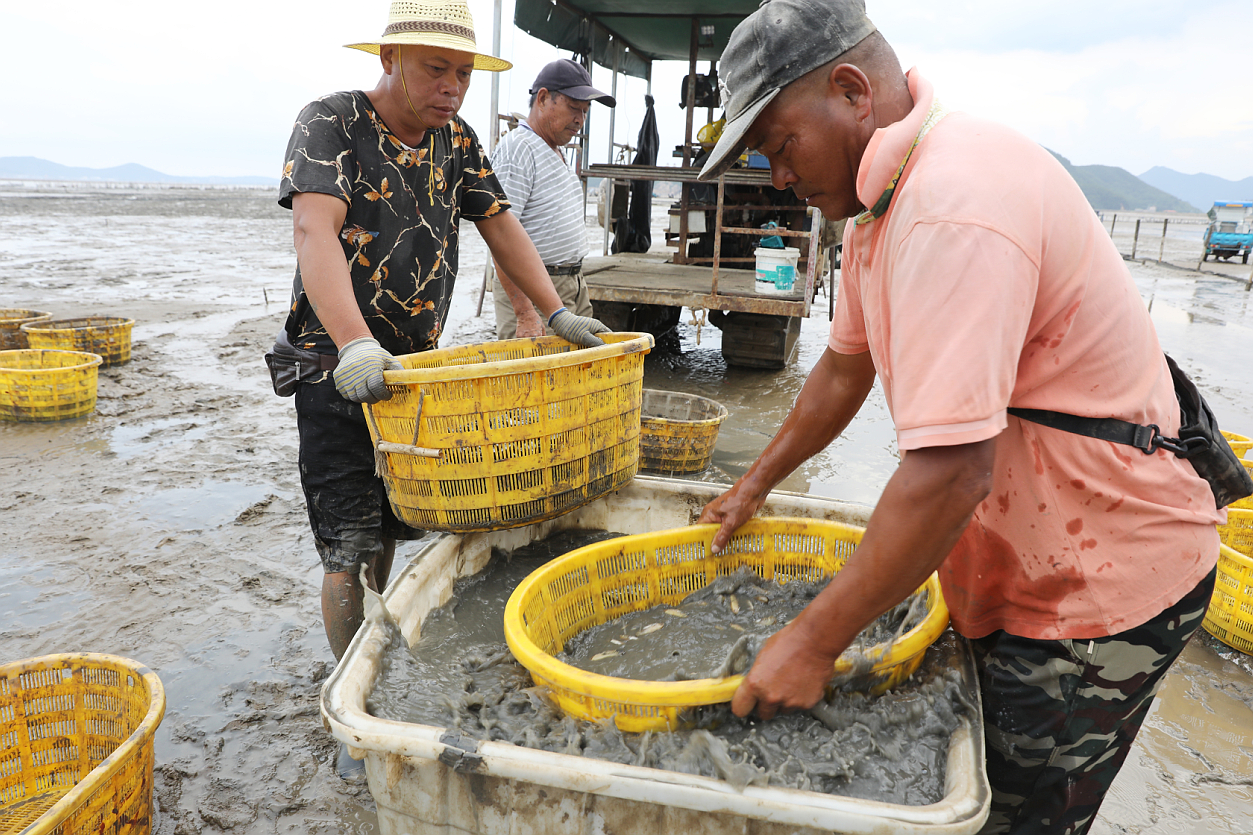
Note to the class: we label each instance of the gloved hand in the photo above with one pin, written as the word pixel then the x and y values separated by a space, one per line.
pixel 359 375
pixel 581 330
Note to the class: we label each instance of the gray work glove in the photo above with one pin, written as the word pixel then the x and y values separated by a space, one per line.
pixel 359 375
pixel 581 330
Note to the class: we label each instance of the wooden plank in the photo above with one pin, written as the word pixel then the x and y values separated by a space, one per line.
pixel 650 280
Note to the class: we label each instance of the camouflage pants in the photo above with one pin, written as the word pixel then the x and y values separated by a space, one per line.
pixel 1061 716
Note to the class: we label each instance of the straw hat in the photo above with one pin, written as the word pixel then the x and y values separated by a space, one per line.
pixel 445 23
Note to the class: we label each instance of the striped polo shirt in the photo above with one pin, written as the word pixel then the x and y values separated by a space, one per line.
pixel 544 193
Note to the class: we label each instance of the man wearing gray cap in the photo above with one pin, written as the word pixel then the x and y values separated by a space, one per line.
pixel 976 282
pixel 546 195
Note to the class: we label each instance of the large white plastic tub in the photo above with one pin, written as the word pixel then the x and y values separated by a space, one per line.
pixel 426 780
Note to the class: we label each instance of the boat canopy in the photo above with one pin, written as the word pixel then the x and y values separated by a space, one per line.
pixel 636 32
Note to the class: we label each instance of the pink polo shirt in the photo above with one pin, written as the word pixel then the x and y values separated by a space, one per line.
pixel 990 282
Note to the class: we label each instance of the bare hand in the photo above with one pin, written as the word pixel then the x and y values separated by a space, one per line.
pixel 790 674
pixel 730 510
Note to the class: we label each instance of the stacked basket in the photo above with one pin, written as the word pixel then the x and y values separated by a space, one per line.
pixel 678 431
pixel 504 434
pixel 1230 614
pixel 56 377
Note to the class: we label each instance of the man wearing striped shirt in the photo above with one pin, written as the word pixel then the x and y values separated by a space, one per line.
pixel 546 195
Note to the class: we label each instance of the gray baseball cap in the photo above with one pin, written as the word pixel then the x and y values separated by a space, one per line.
pixel 771 48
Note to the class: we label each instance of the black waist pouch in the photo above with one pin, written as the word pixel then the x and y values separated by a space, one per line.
pixel 290 365
pixel 1199 441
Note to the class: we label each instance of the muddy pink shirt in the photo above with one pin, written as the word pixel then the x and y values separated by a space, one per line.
pixel 990 282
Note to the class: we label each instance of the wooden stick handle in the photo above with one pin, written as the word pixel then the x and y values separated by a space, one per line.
pixel 408 449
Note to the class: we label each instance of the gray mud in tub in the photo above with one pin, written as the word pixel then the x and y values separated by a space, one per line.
pixel 459 736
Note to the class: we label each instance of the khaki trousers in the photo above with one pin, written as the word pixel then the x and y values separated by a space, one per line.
pixel 571 288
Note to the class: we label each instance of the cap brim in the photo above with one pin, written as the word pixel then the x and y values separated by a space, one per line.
pixel 586 93
pixel 731 143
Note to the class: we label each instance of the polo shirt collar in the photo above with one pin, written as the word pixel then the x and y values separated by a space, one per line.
pixel 890 148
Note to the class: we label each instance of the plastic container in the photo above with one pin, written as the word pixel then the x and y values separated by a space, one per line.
pixel 776 270
pixel 1247 502
pixel 678 431
pixel 502 434
pixel 427 779
pixel 1239 444
pixel 108 336
pixel 600 582
pixel 77 731
pixel 1238 532
pixel 39 385
pixel 11 321
pixel 1230 614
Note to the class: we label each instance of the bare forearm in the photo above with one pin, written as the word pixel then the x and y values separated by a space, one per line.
pixel 925 507
pixel 317 219
pixel 523 309
pixel 516 257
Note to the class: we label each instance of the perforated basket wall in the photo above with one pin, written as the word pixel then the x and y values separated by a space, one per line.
pixel 37 384
pixel 11 321
pixel 76 734
pixel 525 429
pixel 678 431
pixel 603 581
pixel 1239 444
pixel 1230 614
pixel 1238 532
pixel 107 336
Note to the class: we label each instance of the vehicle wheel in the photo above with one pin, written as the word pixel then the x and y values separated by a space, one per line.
pixel 1205 255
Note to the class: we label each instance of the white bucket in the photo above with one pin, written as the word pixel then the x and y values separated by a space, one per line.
pixel 776 270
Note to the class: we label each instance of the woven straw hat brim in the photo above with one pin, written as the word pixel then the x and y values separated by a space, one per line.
pixel 487 63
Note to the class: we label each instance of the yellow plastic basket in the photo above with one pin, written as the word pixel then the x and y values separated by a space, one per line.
pixel 503 434
pixel 37 384
pixel 11 321
pixel 1238 532
pixel 108 336
pixel 1239 444
pixel 1247 502
pixel 76 733
pixel 603 581
pixel 1230 614
pixel 678 431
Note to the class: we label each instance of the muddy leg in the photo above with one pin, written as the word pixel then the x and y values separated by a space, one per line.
pixel 342 609
pixel 383 565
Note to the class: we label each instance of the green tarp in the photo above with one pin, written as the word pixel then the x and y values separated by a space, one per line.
pixel 646 30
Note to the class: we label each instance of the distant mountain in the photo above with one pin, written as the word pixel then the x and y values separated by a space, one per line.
pixel 1110 188
pixel 1203 190
pixel 33 168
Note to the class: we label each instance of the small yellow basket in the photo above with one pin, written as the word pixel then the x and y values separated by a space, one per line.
pixel 678 431
pixel 76 733
pixel 37 384
pixel 108 336
pixel 11 321
pixel 1239 444
pixel 606 580
pixel 503 434
pixel 1230 614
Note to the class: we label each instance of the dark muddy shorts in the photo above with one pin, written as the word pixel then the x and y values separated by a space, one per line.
pixel 1061 716
pixel 348 508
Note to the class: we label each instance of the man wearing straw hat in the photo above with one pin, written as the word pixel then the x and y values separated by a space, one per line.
pixel 377 182
pixel 977 282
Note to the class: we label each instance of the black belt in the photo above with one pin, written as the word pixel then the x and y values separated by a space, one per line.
pixel 565 269
pixel 327 362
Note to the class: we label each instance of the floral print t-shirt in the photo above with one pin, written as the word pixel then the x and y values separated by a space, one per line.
pixel 404 205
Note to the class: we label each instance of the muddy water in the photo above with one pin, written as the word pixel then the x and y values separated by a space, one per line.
pixel 460 674
pixel 169 526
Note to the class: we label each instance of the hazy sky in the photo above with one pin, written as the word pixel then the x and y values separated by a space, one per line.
pixel 196 89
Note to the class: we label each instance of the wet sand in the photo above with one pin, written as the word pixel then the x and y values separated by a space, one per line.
pixel 169 525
